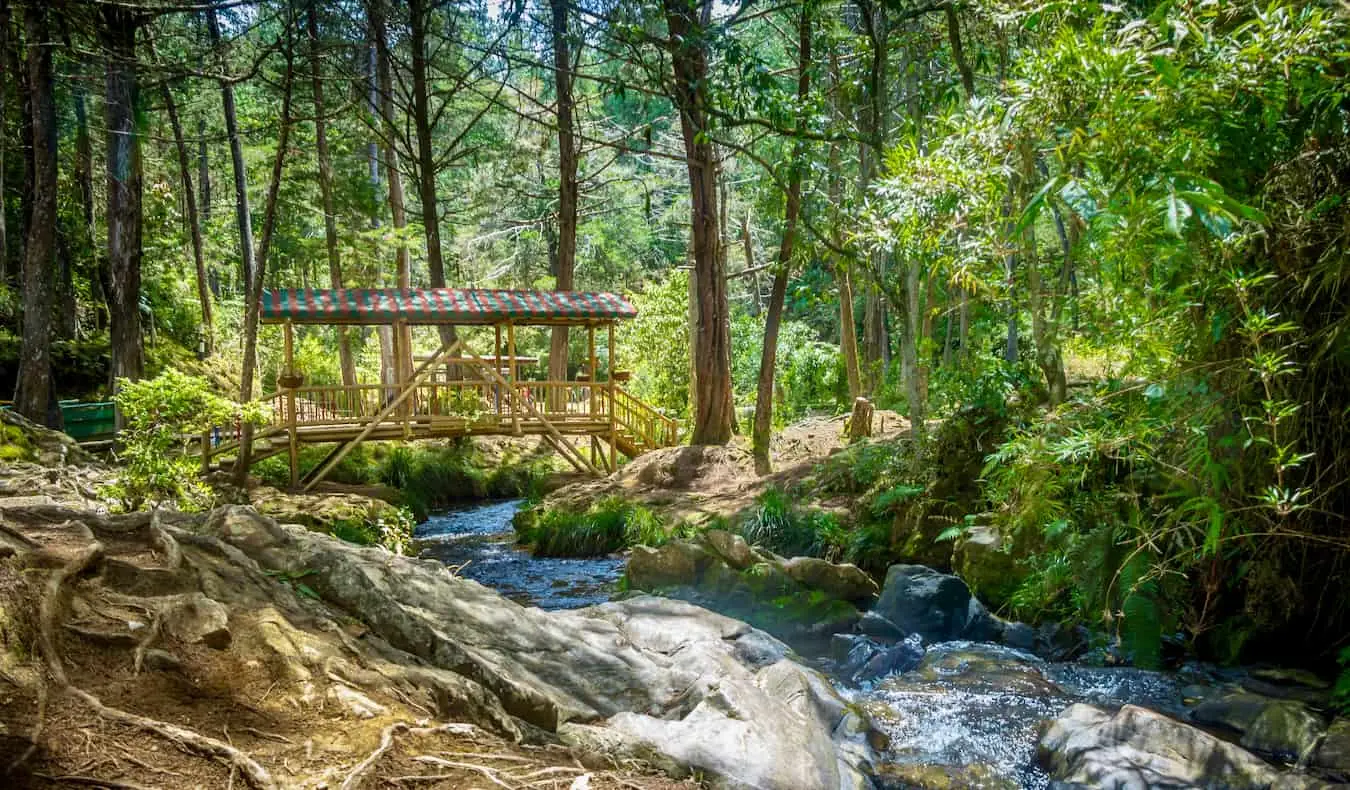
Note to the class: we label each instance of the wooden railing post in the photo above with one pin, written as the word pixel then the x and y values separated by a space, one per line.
pixel 613 417
pixel 511 376
pixel 294 430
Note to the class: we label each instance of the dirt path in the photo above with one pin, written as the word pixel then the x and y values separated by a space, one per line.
pixel 697 484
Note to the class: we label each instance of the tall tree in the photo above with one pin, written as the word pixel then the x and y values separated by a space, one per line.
pixel 384 78
pixel 567 180
pixel 687 23
pixel 5 77
pixel 193 220
pixel 242 212
pixel 345 360
pixel 34 397
pixel 123 218
pixel 419 19
pixel 791 209
pixel 875 114
pixel 253 303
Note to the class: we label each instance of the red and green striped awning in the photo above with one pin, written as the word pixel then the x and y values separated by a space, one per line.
pixel 458 306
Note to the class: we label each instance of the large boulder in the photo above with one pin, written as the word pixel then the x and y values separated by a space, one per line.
pixel 1285 730
pixel 802 600
pixel 675 564
pixel 1333 754
pixel 937 606
pixel 845 582
pixel 1136 748
pixel 732 548
pixel 673 684
pixel 981 559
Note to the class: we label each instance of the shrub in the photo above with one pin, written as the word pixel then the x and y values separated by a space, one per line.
pixel 607 526
pixel 162 417
pixel 776 524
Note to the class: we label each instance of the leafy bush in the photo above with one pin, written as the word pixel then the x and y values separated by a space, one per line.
pixel 392 529
pixel 162 417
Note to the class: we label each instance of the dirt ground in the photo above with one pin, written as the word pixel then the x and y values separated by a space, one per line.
pixel 103 684
pixel 701 483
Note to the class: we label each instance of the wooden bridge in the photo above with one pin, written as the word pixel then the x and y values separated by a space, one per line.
pixel 455 391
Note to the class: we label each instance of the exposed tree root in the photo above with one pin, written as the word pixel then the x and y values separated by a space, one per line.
pixel 53 605
pixel 358 773
pixel 387 739
pixel 93 781
pixel 173 555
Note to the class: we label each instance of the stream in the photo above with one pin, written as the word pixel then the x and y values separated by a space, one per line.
pixel 970 711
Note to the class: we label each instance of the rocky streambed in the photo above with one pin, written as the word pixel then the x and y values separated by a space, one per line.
pixel 954 696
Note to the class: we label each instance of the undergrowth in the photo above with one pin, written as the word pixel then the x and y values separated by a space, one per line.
pixel 607 526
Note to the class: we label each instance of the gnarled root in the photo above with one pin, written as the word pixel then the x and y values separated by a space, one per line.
pixel 53 606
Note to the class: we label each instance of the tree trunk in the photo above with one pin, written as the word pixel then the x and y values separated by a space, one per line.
pixel 345 360
pixel 5 76
pixel 397 205
pixel 757 305
pixel 84 176
pixel 959 51
pixel 194 221
pixel 34 396
pixel 373 107
pixel 793 200
pixel 714 414
pixel 418 19
pixel 568 191
pixel 875 342
pixel 243 215
pixel 124 193
pixel 253 304
pixel 203 172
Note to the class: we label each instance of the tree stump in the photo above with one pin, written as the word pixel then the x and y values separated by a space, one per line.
pixel 860 422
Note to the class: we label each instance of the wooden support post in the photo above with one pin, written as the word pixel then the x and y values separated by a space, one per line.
pixel 593 371
pixel 613 419
pixel 519 404
pixel 206 452
pixel 291 420
pixel 511 376
pixel 421 373
pixel 497 366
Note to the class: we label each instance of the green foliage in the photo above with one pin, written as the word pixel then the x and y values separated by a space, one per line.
pixel 392 529
pixel 14 444
pixel 607 526
pixel 1340 693
pixel 657 343
pixel 808 374
pixel 162 417
pixel 777 524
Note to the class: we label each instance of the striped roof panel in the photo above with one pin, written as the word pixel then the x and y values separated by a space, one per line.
pixel 459 306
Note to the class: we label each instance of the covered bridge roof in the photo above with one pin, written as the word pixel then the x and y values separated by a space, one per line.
pixel 458 306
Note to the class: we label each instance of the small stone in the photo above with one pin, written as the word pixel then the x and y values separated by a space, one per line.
pixel 356 703
pixel 194 618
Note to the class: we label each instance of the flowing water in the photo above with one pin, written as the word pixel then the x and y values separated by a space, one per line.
pixel 479 540
pixel 971 709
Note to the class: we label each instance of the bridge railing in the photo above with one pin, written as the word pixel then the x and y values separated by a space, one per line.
pixel 473 401
pixel 652 427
